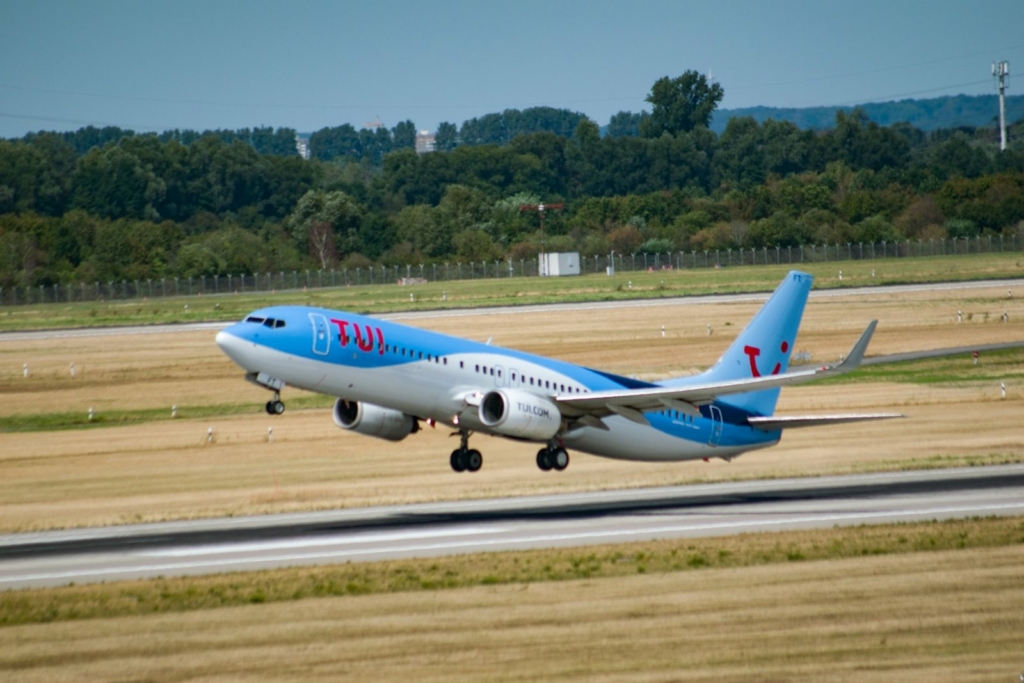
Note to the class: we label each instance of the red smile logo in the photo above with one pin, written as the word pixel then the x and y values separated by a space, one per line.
pixel 753 352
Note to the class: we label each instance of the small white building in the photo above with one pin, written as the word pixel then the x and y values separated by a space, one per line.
pixel 559 264
pixel 424 142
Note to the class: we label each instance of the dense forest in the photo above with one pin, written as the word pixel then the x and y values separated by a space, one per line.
pixel 108 204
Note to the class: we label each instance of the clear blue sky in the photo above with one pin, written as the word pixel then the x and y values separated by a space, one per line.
pixel 152 65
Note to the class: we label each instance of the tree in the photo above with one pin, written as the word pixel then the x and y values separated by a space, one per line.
pixel 626 124
pixel 446 137
pixel 317 216
pixel 678 105
pixel 404 135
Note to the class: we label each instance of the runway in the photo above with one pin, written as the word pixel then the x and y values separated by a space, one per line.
pixel 581 519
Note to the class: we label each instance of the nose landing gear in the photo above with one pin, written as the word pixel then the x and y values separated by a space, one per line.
pixel 275 406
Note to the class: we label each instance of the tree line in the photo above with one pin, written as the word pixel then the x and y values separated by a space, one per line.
pixel 98 206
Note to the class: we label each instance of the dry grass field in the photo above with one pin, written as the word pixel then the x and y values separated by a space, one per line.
pixel 913 615
pixel 164 469
pixel 951 615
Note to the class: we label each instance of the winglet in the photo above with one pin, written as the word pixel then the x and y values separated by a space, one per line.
pixel 856 355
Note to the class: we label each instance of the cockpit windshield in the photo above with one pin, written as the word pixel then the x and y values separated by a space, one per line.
pixel 272 323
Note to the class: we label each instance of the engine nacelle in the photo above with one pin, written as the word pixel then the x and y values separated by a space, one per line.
pixel 371 420
pixel 520 414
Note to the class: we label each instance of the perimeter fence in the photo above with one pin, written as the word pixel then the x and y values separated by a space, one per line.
pixel 509 268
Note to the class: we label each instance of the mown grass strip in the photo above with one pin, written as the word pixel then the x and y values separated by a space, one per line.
pixel 992 367
pixel 995 367
pixel 485 569
pixel 46 422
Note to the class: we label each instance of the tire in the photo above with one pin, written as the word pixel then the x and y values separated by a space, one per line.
pixel 559 459
pixel 544 460
pixel 474 460
pixel 278 407
pixel 269 407
pixel 456 460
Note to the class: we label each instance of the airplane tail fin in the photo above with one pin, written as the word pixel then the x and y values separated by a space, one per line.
pixel 765 345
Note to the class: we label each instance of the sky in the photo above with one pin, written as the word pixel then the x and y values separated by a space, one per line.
pixel 153 65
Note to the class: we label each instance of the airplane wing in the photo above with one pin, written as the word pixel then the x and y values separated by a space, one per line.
pixel 630 403
pixel 771 424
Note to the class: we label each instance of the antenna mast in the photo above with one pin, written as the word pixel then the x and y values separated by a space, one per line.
pixel 1001 70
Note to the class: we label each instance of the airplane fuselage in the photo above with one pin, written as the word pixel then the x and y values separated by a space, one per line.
pixel 440 378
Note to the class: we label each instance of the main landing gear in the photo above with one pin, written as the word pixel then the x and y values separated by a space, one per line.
pixel 553 457
pixel 275 406
pixel 464 458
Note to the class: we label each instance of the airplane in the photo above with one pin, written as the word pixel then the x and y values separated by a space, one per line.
pixel 389 378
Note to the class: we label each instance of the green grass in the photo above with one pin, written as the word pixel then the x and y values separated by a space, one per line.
pixel 512 291
pixel 47 422
pixel 72 603
pixel 992 367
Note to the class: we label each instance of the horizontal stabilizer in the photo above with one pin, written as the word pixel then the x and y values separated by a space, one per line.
pixel 771 424
pixel 630 403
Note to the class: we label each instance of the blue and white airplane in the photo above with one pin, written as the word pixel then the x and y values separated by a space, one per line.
pixel 388 378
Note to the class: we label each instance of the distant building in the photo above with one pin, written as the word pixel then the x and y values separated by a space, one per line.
pixel 424 142
pixel 302 145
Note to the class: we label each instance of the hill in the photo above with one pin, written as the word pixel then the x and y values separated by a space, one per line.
pixel 930 114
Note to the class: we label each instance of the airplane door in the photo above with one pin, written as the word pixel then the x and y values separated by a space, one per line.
pixel 716 425
pixel 321 334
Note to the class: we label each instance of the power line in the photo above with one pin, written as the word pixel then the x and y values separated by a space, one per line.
pixel 342 107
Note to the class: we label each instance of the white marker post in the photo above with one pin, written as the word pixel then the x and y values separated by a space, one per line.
pixel 709 329
pixel 71 369
pixel 174 411
pixel 663 331
pixel 209 435
pixel 1002 389
pixel 90 414
pixel 270 435
pixel 24 370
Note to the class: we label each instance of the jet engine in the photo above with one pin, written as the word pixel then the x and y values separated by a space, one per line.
pixel 520 414
pixel 371 420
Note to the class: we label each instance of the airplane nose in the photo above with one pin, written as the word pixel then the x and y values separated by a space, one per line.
pixel 232 346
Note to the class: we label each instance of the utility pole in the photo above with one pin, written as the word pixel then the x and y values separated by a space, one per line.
pixel 540 209
pixel 542 257
pixel 1001 70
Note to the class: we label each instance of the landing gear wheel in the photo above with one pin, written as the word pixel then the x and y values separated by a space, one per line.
pixel 559 459
pixel 275 406
pixel 544 459
pixel 474 461
pixel 458 460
